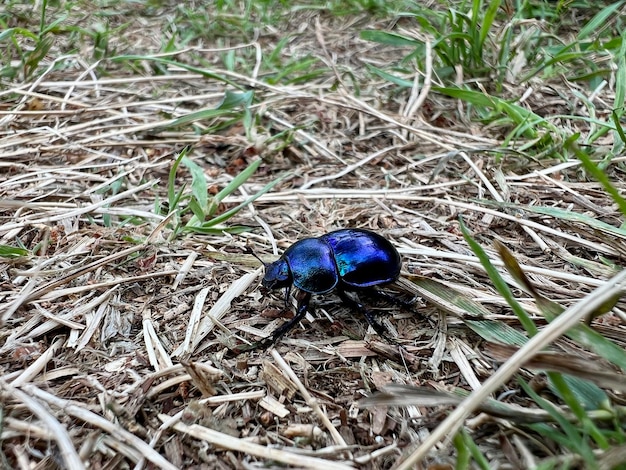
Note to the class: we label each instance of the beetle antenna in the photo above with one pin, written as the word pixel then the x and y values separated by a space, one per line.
pixel 251 252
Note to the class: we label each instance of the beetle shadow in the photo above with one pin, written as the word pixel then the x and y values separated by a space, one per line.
pixel 353 300
pixel 350 299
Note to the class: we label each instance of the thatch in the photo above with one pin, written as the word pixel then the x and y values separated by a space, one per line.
pixel 117 336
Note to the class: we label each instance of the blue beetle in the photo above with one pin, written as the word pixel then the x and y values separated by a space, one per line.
pixel 347 260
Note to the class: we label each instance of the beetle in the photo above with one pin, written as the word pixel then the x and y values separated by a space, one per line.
pixel 346 260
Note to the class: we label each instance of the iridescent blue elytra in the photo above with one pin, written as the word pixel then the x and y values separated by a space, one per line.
pixel 345 260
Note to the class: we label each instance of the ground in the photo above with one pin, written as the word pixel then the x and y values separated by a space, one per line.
pixel 147 148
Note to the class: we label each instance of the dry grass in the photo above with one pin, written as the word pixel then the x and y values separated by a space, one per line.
pixel 116 337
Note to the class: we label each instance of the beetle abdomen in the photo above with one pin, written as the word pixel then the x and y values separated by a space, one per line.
pixel 363 258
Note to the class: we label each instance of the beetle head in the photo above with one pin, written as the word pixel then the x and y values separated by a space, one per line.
pixel 277 275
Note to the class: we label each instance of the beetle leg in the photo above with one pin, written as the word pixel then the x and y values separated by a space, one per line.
pixel 408 304
pixel 367 313
pixel 287 292
pixel 303 305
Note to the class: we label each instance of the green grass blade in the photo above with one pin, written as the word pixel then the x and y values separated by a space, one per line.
pixel 7 251
pixel 210 208
pixel 38 54
pixel 230 102
pixel 587 393
pixel 389 77
pixel 570 438
pixel 620 79
pixel 463 455
pixel 456 303
pixel 518 114
pixel 581 334
pixel 497 332
pixel 12 32
pixel 488 19
pixel 447 298
pixel 618 125
pixel 198 212
pixel 598 21
pixel 199 187
pixel 597 173
pixel 173 197
pixel 595 342
pixel 498 282
pixel 390 39
pixel 219 230
pixel 474 97
pixel 232 99
pixel 571 395
pixel 476 453
pixel 620 96
pixel 233 185
pixel 42 16
pixel 570 216
pixel 228 214
pixel 174 63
